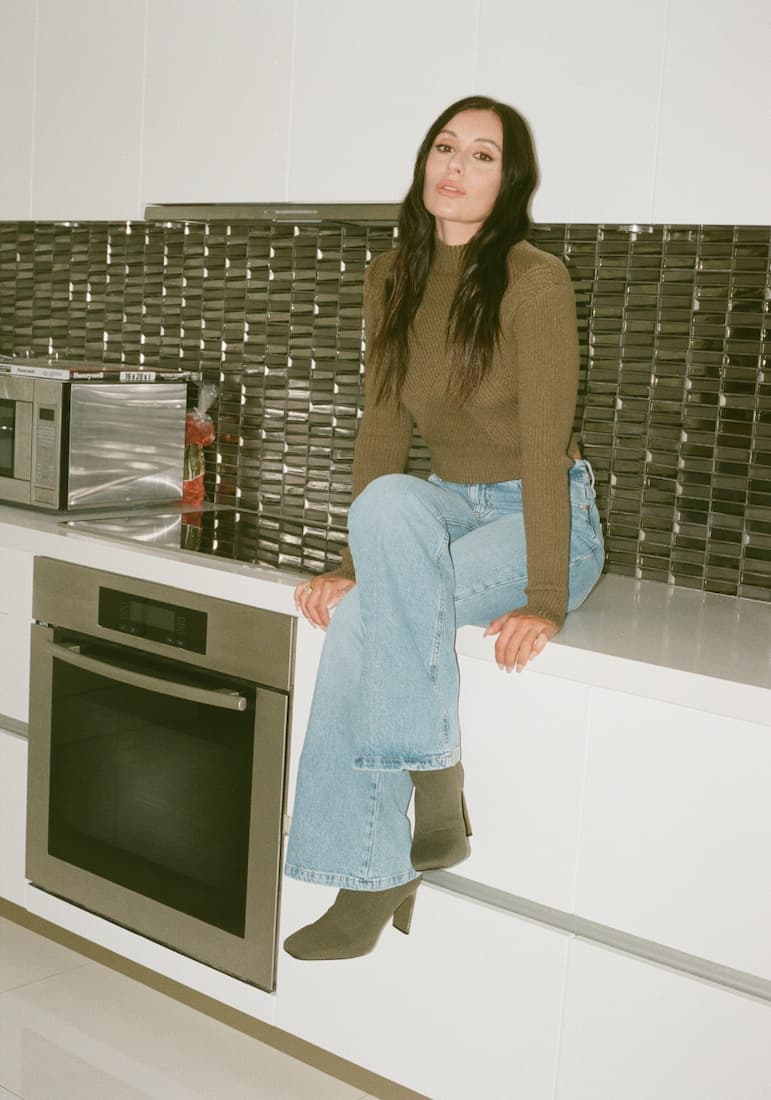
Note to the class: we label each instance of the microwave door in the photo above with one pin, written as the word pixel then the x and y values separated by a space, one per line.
pixel 15 450
pixel 126 443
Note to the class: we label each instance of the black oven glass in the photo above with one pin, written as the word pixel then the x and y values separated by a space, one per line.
pixel 7 432
pixel 151 791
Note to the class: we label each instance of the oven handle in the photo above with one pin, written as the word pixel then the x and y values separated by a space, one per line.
pixel 225 698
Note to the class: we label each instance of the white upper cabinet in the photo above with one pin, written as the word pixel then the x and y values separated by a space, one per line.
pixel 587 79
pixel 714 157
pixel 369 79
pixel 88 109
pixel 17 34
pixel 217 94
pixel 641 112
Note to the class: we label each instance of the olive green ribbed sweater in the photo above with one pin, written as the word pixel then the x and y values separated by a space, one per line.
pixel 516 425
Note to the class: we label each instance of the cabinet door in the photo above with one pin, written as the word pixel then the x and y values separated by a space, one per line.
pixel 13 812
pixel 715 81
pixel 15 620
pixel 524 749
pixel 468 1005
pixel 17 33
pixel 217 95
pixel 639 1031
pixel 369 79
pixel 88 109
pixel 675 829
pixel 591 99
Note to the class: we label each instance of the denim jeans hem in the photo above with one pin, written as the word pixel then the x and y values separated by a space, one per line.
pixel 424 763
pixel 348 882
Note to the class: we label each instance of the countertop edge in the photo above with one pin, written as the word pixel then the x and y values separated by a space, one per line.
pixel 696 649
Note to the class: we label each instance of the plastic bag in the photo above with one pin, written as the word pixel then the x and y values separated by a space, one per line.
pixel 199 432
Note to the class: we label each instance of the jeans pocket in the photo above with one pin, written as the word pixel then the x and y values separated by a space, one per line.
pixel 585 520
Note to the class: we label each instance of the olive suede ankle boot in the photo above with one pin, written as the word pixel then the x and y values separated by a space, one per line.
pixel 442 826
pixel 352 926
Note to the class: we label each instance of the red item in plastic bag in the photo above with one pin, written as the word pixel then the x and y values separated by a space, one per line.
pixel 199 431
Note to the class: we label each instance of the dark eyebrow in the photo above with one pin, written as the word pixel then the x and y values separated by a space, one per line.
pixel 487 141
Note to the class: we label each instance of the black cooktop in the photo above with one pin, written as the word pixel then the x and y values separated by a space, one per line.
pixel 255 537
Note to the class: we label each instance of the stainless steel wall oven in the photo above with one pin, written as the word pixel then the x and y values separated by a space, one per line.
pixel 158 747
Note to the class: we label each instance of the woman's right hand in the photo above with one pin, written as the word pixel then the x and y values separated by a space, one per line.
pixel 315 598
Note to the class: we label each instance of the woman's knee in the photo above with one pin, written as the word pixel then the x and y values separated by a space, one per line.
pixel 385 500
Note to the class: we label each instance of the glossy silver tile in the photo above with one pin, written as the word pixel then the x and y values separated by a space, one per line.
pixel 672 322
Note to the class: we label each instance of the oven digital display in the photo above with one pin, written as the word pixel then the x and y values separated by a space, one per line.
pixel 168 623
pixel 152 614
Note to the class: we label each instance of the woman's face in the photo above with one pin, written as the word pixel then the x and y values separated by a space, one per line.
pixel 463 174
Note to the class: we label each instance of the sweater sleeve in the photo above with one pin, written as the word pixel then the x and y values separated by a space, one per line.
pixel 385 431
pixel 547 383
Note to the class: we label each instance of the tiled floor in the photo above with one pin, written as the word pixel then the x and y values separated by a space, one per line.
pixel 74 1029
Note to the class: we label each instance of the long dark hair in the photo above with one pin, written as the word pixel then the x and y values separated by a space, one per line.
pixel 474 315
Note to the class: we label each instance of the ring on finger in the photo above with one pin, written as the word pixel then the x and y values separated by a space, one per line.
pixel 308 588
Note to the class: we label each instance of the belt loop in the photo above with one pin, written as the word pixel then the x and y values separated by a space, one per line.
pixel 591 472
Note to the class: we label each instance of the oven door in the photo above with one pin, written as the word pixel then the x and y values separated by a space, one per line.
pixel 15 439
pixel 156 797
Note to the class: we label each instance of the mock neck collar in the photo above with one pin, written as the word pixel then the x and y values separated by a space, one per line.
pixel 448 258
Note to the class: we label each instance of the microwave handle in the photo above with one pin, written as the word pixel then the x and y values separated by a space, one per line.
pixel 224 698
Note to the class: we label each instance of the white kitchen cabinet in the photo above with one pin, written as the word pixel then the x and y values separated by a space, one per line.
pixel 13 809
pixel 17 33
pixel 217 99
pixel 308 643
pixel 674 843
pixel 714 159
pixel 587 79
pixel 368 81
pixel 88 109
pixel 15 620
pixel 639 1031
pixel 524 750
pixel 468 1005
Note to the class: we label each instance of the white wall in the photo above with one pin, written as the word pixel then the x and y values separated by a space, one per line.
pixel 652 112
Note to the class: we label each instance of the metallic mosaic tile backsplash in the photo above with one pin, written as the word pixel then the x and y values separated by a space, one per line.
pixel 675 407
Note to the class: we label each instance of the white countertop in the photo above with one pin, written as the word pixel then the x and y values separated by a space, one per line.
pixel 698 649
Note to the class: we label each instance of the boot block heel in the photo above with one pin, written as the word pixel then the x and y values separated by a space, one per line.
pixel 466 819
pixel 403 915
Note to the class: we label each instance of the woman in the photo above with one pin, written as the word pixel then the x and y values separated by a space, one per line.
pixel 472 336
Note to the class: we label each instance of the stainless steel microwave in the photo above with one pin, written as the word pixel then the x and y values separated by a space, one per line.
pixel 67 444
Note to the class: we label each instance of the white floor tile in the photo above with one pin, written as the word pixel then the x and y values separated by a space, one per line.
pixel 93 1034
pixel 6 1095
pixel 27 957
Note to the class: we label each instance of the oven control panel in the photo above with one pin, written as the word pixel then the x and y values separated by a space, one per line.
pixel 171 624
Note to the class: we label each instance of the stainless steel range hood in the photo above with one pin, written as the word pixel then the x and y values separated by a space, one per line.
pixel 294 212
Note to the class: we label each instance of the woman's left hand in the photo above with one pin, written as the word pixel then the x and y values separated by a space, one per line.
pixel 520 638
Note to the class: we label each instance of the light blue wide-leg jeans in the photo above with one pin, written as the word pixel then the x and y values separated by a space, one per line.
pixel 430 556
